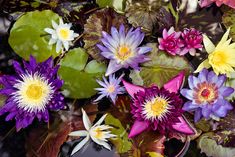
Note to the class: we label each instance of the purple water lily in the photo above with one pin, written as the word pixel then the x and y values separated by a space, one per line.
pixel 31 92
pixel 158 108
pixel 123 49
pixel 207 95
pixel 110 88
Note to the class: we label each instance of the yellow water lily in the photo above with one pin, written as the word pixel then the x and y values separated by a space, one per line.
pixel 221 57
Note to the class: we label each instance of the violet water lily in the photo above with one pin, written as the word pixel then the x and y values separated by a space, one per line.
pixel 207 95
pixel 122 49
pixel 98 133
pixel 158 108
pixel 31 92
pixel 110 88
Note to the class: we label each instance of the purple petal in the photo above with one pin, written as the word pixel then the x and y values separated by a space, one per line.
pixel 203 75
pixel 131 88
pixel 183 126
pixel 221 80
pixel 189 106
pixel 137 128
pixel 226 91
pixel 17 67
pixel 187 93
pixel 112 67
pixel 206 112
pixel 197 115
pixel 175 84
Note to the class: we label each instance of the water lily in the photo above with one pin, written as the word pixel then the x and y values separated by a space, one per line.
pixel 98 133
pixel 220 57
pixel 205 3
pixel 123 49
pixel 170 41
pixel 61 35
pixel 207 95
pixel 110 88
pixel 32 92
pixel 158 108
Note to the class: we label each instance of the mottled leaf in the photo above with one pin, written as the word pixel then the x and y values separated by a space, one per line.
pixel 101 20
pixel 161 68
pixel 228 20
pixel 118 5
pixel 79 80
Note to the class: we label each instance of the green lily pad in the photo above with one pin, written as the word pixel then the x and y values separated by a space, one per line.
pixel 118 5
pixel 80 77
pixel 160 69
pixel 228 20
pixel 122 143
pixel 27 36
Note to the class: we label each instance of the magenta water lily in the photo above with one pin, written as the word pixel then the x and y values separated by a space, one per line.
pixel 32 92
pixel 122 49
pixel 158 108
pixel 207 95
pixel 110 88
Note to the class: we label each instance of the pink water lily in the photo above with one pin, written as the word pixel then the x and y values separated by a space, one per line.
pixel 158 108
pixel 205 3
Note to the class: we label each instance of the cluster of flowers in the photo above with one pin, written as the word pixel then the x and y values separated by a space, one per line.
pixel 180 43
pixel 34 90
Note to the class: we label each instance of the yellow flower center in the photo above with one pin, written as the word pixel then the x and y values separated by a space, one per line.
pixel 111 89
pixel 64 33
pixel 219 58
pixel 155 108
pixel 34 91
pixel 98 133
pixel 124 53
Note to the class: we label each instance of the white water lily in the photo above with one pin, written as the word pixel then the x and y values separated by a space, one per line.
pixel 61 35
pixel 97 133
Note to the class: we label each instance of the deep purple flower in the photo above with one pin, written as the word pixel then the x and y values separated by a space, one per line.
pixel 110 88
pixel 192 40
pixel 207 95
pixel 158 109
pixel 123 49
pixel 32 92
pixel 171 41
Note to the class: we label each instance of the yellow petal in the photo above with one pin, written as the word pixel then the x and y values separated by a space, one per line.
pixel 204 64
pixel 224 38
pixel 209 46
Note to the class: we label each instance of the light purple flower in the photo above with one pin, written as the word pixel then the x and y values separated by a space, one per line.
pixel 192 40
pixel 171 41
pixel 110 88
pixel 123 49
pixel 31 92
pixel 207 95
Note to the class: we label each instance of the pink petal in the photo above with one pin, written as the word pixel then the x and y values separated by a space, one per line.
pixel 183 126
pixel 175 84
pixel 131 88
pixel 137 128
pixel 230 3
pixel 205 3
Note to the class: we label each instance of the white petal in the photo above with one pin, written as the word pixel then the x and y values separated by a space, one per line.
pixel 209 46
pixel 79 133
pixel 86 120
pixel 58 46
pixel 49 30
pixel 100 120
pixel 66 45
pixel 106 145
pixel 52 41
pixel 224 38
pixel 61 22
pixel 54 24
pixel 80 145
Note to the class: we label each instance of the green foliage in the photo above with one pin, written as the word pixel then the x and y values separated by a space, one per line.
pixel 229 21
pixel 161 68
pixel 27 36
pixel 122 143
pixel 118 5
pixel 79 77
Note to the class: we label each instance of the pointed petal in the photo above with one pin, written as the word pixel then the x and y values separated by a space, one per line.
pixel 209 46
pixel 224 38
pixel 100 120
pixel 175 84
pixel 204 64
pixel 183 126
pixel 131 88
pixel 137 128
pixel 86 120
pixel 80 145
pixel 112 67
pixel 79 133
